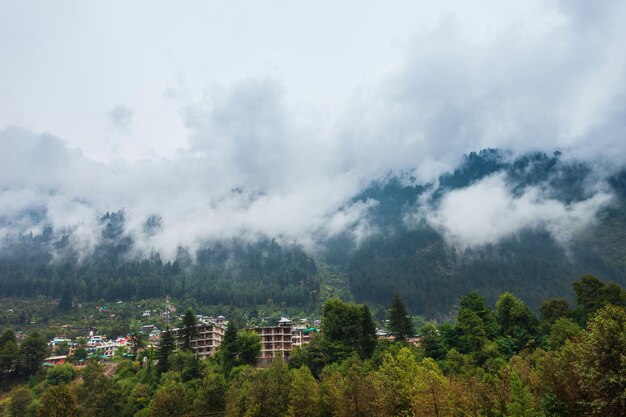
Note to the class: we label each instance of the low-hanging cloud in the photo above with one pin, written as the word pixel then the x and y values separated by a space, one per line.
pixel 488 212
pixel 256 164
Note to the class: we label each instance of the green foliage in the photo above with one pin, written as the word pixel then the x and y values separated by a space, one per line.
pixel 211 397
pixel 20 404
pixel 229 272
pixel 33 351
pixel 189 330
pixel 304 399
pixel 350 325
pixel 521 402
pixel 167 346
pixel 562 330
pixel 516 321
pixel 62 374
pixel 171 400
pixel 431 342
pixel 57 401
pixel 238 348
pixel 593 294
pixel 400 323
pixel 602 362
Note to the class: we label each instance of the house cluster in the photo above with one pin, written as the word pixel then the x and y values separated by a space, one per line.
pixel 96 346
pixel 276 341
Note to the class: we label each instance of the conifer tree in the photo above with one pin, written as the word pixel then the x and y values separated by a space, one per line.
pixel 167 345
pixel 400 323
pixel 189 328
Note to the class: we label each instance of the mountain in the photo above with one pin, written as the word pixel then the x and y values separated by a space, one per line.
pixel 406 251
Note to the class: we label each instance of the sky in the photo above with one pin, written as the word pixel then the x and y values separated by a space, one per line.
pixel 265 118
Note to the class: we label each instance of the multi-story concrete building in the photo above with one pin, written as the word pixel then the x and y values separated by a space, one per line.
pixel 209 337
pixel 301 335
pixel 276 341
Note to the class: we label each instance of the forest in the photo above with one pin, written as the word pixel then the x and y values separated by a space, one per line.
pixel 414 260
pixel 568 361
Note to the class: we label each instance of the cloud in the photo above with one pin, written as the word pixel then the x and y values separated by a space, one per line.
pixel 258 163
pixel 488 212
pixel 120 118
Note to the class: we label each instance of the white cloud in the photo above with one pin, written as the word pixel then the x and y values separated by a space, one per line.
pixel 487 212
pixel 252 157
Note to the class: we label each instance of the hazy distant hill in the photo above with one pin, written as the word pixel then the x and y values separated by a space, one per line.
pixel 409 258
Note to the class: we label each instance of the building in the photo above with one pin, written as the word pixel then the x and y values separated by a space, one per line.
pixel 276 341
pixel 209 337
pixel 55 360
pixel 301 335
pixel 106 349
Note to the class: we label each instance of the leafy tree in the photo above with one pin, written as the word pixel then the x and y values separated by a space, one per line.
pixel 98 395
pixel 189 330
pixel 470 332
pixel 591 295
pixel 63 374
pixel 476 303
pixel 521 403
pixel 348 390
pixel 304 399
pixel 432 342
pixel 400 323
pixel 33 351
pixel 20 403
pixel 9 353
pixel 57 401
pixel 562 330
pixel 432 392
pixel 62 348
pixel 516 321
pixel 211 398
pixel 259 393
pixel 171 400
pixel 601 363
pixel 350 325
pixel 551 310
pixel 249 346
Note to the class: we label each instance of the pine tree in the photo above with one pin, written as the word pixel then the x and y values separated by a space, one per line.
pixel 368 333
pixel 400 323
pixel 189 328
pixel 167 345
pixel 229 350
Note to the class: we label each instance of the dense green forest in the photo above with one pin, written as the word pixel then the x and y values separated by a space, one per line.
pixel 413 260
pixel 507 361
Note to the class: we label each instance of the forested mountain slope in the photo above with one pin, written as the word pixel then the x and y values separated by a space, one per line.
pixel 405 252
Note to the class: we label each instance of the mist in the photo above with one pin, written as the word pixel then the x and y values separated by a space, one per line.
pixel 249 159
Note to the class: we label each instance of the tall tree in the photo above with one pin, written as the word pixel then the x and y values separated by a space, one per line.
pixel 189 329
pixel 516 321
pixel 400 323
pixel 57 401
pixel 551 310
pixel 521 403
pixel 33 351
pixel 591 295
pixel 304 399
pixel 601 362
pixel 167 345
pixel 228 353
pixel 347 326
pixel 20 403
